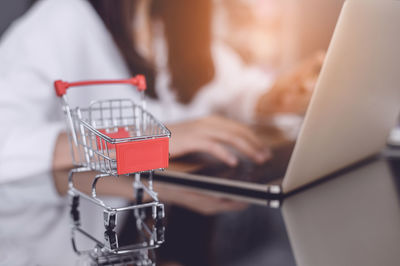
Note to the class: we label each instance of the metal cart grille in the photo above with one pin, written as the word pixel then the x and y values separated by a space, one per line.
pixel 106 126
pixel 114 137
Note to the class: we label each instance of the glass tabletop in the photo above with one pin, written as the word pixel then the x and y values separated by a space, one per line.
pixel 351 219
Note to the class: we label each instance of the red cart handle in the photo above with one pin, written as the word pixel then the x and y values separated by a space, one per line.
pixel 61 86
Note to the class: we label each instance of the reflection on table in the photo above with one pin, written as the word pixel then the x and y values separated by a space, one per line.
pixel 350 219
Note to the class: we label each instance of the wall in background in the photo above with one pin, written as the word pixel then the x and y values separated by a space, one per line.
pixel 10 10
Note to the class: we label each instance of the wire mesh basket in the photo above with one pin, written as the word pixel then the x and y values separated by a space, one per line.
pixel 115 136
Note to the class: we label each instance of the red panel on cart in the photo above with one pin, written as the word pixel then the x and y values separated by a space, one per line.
pixel 120 134
pixel 142 155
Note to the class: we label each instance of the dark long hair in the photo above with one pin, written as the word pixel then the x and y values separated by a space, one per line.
pixel 187 26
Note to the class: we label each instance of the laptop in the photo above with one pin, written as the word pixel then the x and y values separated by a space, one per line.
pixel 354 107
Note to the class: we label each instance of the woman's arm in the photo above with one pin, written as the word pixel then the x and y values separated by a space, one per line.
pixel 62 155
pixel 292 91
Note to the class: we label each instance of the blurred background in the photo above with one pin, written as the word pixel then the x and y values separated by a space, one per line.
pixel 10 10
pixel 276 33
pixel 273 34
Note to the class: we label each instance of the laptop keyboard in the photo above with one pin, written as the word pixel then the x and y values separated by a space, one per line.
pixel 248 171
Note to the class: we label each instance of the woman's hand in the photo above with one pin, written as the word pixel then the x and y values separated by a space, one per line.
pixel 213 135
pixel 292 92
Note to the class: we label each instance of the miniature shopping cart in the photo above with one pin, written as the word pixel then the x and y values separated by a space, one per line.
pixel 115 137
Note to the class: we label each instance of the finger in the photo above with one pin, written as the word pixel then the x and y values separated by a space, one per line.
pixel 216 149
pixel 238 129
pixel 241 144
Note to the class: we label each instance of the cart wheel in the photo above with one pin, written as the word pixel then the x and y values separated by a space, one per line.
pixel 74 202
pixel 110 220
pixel 75 216
pixel 74 212
pixel 111 239
pixel 160 231
pixel 139 195
pixel 160 212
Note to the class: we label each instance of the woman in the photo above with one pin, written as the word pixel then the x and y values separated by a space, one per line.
pixel 76 40
pixel 83 40
pixel 191 79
